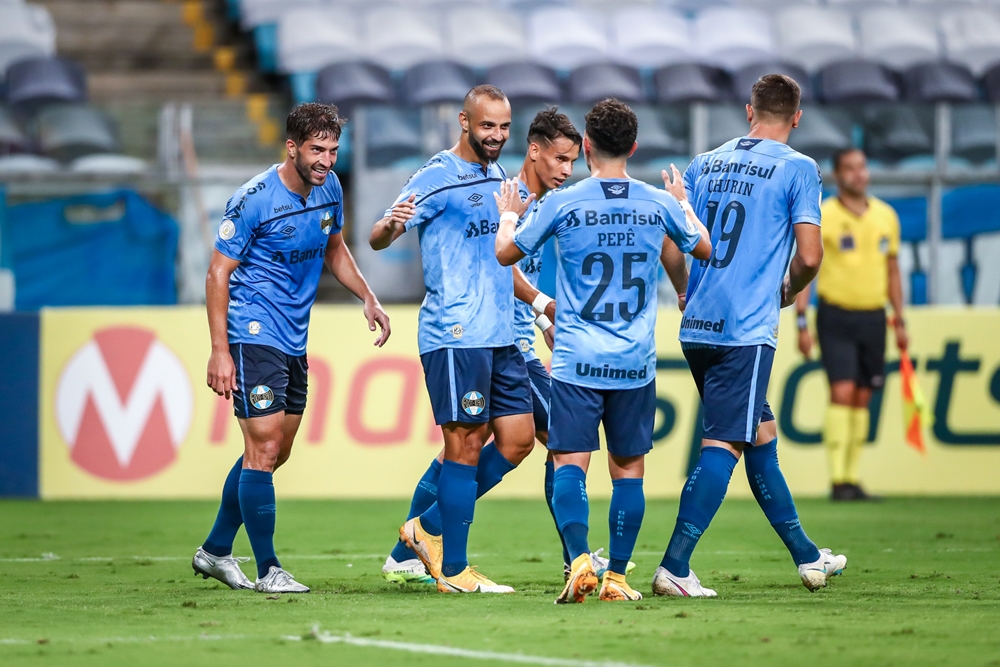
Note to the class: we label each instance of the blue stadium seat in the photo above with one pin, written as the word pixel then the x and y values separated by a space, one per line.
pixel 526 83
pixel 437 82
pixel 974 132
pixel 12 139
pixel 689 82
pixel 896 131
pixel 815 36
pixel 965 213
pixel 37 81
pixel 391 134
pixel 912 212
pixel 821 133
pixel 350 84
pixel 856 81
pixel 940 82
pixel 744 79
pixel 591 83
pixel 66 132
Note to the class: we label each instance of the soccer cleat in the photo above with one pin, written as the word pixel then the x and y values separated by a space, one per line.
pixel 601 565
pixel 224 568
pixel 614 588
pixel 470 581
pixel 582 580
pixel 278 581
pixel 815 575
pixel 410 571
pixel 427 547
pixel 667 583
pixel 567 570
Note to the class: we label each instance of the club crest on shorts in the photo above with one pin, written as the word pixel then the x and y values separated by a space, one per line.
pixel 473 403
pixel 326 222
pixel 262 397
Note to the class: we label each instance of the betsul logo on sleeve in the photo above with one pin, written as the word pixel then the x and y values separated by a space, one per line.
pixel 124 404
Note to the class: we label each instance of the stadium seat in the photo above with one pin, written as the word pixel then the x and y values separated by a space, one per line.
pixel 894 132
pixel 725 123
pixel 898 37
pixel 967 212
pixel 940 82
pixel 259 12
pixel 333 37
pixel 991 83
pixel 37 81
pixel 526 83
pixel 815 36
pixel 109 165
pixel 399 37
pixel 350 84
pixel 391 134
pixel 974 132
pixel 821 133
pixel 25 165
pixel 26 31
pixel 470 43
pixel 592 83
pixel 732 37
pixel 437 82
pixel 66 132
pixel 744 79
pixel 654 140
pixel 856 4
pixel 645 37
pixel 12 139
pixel 566 37
pixel 857 81
pixel 972 37
pixel 689 82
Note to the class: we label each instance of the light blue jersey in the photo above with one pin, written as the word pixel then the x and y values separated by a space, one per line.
pixel 749 193
pixel 524 314
pixel 280 240
pixel 470 297
pixel 609 234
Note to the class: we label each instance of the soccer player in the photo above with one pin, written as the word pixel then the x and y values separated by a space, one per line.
pixel 475 375
pixel 860 271
pixel 280 228
pixel 758 197
pixel 610 231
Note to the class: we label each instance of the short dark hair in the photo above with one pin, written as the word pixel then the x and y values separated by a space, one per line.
pixel 612 128
pixel 549 125
pixel 775 95
pixel 313 120
pixel 483 90
pixel 839 155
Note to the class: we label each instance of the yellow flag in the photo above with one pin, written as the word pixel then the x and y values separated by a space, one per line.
pixel 916 416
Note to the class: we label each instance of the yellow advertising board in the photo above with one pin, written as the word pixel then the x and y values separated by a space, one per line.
pixel 125 412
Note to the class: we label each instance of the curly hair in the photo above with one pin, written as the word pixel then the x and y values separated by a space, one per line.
pixel 549 125
pixel 313 120
pixel 612 128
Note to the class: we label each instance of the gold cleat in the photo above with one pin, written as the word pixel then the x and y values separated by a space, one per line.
pixel 470 581
pixel 427 547
pixel 614 588
pixel 582 580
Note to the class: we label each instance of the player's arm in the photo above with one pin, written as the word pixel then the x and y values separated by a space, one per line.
pixel 221 369
pixel 531 295
pixel 896 299
pixel 511 206
pixel 675 265
pixel 675 186
pixel 805 263
pixel 392 226
pixel 341 263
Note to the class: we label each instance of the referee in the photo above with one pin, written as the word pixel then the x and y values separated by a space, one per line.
pixel 859 272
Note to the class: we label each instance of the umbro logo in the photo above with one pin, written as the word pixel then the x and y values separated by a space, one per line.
pixel 476 199
pixel 288 231
pixel 616 189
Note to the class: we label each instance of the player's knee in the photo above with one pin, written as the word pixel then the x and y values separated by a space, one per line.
pixel 767 432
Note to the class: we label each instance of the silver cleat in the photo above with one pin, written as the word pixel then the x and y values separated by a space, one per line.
pixel 278 581
pixel 224 568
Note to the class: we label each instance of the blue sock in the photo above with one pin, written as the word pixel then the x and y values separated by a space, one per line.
pixel 773 496
pixel 550 471
pixel 424 496
pixel 700 500
pixel 628 504
pixel 571 507
pixel 490 470
pixel 257 506
pixel 229 519
pixel 457 502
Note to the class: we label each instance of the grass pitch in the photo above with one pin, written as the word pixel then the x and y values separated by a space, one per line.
pixel 115 587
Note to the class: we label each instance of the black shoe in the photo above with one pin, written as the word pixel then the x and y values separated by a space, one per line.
pixel 842 493
pixel 860 494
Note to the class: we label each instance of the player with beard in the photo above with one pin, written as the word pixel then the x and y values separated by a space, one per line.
pixel 280 228
pixel 476 377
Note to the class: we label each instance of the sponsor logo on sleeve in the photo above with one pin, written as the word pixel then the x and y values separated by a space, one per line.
pixel 227 230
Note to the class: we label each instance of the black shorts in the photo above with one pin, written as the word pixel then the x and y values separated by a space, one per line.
pixel 268 381
pixel 852 344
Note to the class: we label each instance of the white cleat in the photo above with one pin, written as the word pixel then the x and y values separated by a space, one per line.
pixel 666 583
pixel 278 581
pixel 815 575
pixel 410 571
pixel 601 565
pixel 224 568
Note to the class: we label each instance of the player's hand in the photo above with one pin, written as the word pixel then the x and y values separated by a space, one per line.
pixel 509 198
pixel 682 302
pixel 222 373
pixel 550 311
pixel 805 343
pixel 787 295
pixel 403 211
pixel 550 338
pixel 376 315
pixel 902 339
pixel 674 183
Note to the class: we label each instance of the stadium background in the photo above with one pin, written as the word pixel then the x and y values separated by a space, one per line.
pixel 126 125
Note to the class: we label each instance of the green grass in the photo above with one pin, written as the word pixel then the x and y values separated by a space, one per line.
pixel 922 588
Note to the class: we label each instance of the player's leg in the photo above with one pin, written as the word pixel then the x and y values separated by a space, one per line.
pixel 214 558
pixel 403 564
pixel 840 356
pixel 871 375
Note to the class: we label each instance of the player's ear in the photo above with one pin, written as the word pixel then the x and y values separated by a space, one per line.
pixel 291 148
pixel 635 144
pixel 463 120
pixel 750 114
pixel 796 118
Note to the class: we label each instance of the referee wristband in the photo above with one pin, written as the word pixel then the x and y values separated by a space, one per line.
pixel 543 323
pixel 509 216
pixel 802 321
pixel 541 302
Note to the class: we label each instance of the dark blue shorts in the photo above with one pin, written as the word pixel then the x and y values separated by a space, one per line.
pixel 627 415
pixel 732 382
pixel 268 381
pixel 539 378
pixel 475 385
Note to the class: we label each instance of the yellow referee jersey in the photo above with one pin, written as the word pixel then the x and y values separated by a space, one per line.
pixel 854 273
